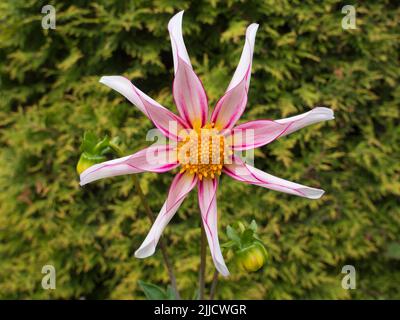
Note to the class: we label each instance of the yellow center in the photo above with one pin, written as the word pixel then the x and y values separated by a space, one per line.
pixel 202 151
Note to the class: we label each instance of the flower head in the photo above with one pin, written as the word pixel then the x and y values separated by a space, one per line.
pixel 203 145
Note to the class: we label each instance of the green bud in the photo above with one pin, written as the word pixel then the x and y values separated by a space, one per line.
pixel 94 150
pixel 86 161
pixel 252 258
pixel 240 226
pixel 245 246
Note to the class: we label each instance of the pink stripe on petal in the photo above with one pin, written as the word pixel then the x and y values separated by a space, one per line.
pixel 182 183
pixel 254 134
pixel 189 94
pixel 168 123
pixel 207 193
pixel 231 106
pixel 156 158
pixel 175 31
pixel 248 174
pixel 180 188
pixel 302 120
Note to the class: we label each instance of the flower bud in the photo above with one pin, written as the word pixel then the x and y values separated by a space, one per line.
pixel 86 161
pixel 94 150
pixel 252 258
pixel 245 246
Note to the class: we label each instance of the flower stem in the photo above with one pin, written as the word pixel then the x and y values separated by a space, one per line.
pixel 150 214
pixel 202 271
pixel 214 285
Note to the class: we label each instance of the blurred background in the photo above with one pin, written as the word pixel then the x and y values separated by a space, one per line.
pixel 50 95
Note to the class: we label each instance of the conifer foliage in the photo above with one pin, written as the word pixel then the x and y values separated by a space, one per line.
pixel 50 96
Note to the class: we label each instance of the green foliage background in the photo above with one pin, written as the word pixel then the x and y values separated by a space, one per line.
pixel 50 95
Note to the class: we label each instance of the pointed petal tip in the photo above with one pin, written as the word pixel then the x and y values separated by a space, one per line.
pixel 222 269
pixel 177 18
pixel 82 176
pixel 103 79
pixel 84 182
pixel 252 29
pixel 325 112
pixel 145 251
pixel 107 80
pixel 254 26
pixel 312 193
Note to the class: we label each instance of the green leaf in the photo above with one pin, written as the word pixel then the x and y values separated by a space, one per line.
pixel 170 293
pixel 232 234
pixel 253 225
pixel 196 294
pixel 103 144
pixel 89 142
pixel 239 226
pixel 247 237
pixel 228 244
pixel 152 292
pixel 114 145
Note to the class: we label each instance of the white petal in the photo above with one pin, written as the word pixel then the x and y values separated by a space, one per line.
pixel 303 120
pixel 189 94
pixel 232 104
pixel 248 174
pixel 180 187
pixel 246 58
pixel 168 123
pixel 208 206
pixel 177 43
pixel 156 158
pixel 254 134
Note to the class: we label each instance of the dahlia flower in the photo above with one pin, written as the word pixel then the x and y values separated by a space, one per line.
pixel 203 146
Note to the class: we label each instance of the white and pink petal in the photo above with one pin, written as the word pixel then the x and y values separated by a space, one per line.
pixel 189 94
pixel 156 158
pixel 182 184
pixel 166 121
pixel 251 175
pixel 231 106
pixel 207 193
pixel 254 134
pixel 305 119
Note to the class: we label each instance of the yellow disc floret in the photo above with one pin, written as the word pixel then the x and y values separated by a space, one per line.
pixel 202 151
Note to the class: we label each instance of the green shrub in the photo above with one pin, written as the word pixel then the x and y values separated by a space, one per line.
pixel 50 95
